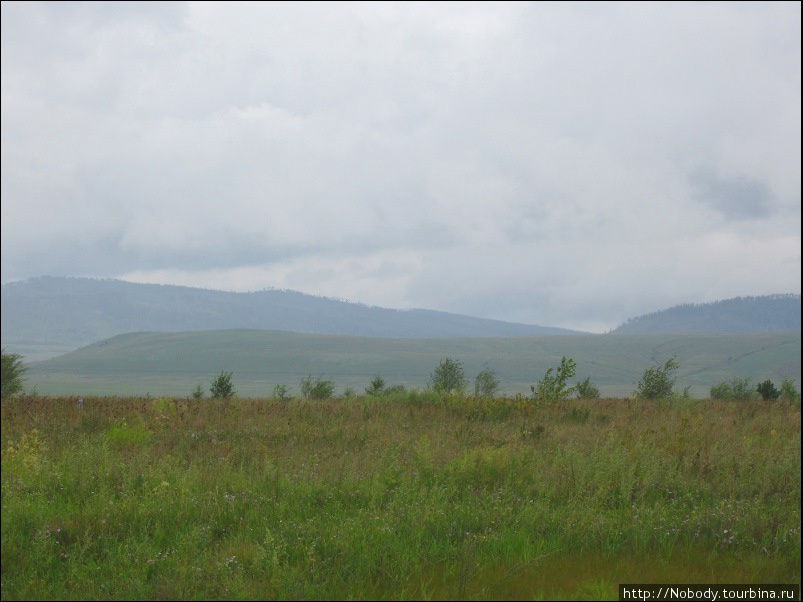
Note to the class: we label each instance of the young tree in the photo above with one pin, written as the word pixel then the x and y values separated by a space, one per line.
pixel 198 393
pixel 376 387
pixel 305 385
pixel 657 382
pixel 585 390
pixel 553 386
pixel 12 371
pixel 222 387
pixel 448 376
pixel 768 391
pixel 740 388
pixel 280 393
pixel 485 384
pixel 789 392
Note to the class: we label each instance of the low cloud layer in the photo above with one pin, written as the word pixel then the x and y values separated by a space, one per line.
pixel 567 165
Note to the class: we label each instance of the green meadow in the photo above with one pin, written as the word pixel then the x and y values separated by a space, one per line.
pixel 175 363
pixel 415 496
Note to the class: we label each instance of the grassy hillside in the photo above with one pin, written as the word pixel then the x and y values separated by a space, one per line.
pixel 769 313
pixel 174 363
pixel 41 314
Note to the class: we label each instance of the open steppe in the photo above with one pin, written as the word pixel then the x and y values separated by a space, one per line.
pixel 417 496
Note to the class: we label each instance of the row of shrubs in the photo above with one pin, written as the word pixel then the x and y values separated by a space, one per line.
pixel 449 377
pixel 740 389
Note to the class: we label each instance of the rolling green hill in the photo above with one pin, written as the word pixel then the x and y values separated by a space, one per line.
pixel 174 363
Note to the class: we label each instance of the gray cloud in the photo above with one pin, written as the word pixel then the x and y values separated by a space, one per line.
pixel 521 161
pixel 735 198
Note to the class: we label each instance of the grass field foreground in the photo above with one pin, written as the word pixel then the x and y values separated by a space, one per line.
pixel 363 498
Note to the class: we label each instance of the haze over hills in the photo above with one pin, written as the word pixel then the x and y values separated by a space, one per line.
pixel 275 337
pixel 769 313
pixel 44 316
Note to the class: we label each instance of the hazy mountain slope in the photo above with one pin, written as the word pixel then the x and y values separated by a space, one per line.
pixel 77 311
pixel 769 313
pixel 174 363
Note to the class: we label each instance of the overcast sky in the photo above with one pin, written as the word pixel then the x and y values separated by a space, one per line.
pixel 558 164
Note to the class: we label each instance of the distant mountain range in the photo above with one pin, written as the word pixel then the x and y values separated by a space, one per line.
pixel 769 313
pixel 65 313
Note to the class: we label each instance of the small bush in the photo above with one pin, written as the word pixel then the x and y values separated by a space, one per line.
pixel 585 390
pixel 396 390
pixel 485 384
pixel 198 392
pixel 788 391
pixel 376 387
pixel 323 389
pixel 742 390
pixel 657 382
pixel 280 393
pixel 317 389
pixel 222 387
pixel 737 389
pixel 553 386
pixel 768 391
pixel 721 391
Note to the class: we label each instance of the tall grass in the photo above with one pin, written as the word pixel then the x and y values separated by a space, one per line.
pixel 408 498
